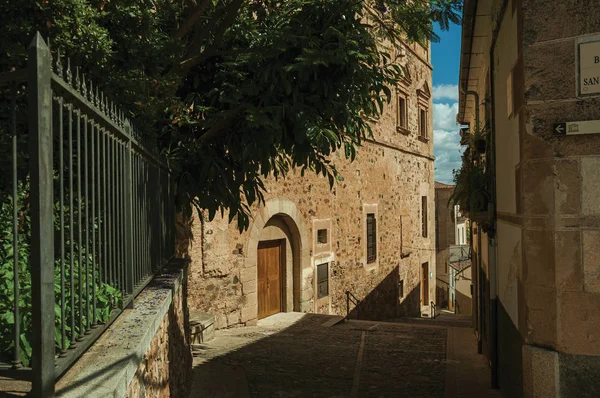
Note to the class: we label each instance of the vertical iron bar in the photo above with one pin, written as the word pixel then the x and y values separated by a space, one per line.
pixel 119 215
pixel 79 240
pixel 63 304
pixel 94 220
pixel 160 208
pixel 110 226
pixel 104 215
pixel 71 223
pixel 121 220
pixel 42 218
pixel 113 212
pixel 138 273
pixel 145 207
pixel 129 261
pixel 87 224
pixel 17 323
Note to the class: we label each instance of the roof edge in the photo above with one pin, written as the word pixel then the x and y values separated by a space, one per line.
pixel 468 27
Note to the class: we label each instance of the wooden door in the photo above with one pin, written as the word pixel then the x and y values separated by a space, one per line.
pixel 425 283
pixel 270 259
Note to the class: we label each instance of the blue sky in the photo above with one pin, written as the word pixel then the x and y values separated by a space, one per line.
pixel 445 56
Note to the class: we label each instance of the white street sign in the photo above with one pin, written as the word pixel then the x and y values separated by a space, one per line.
pixel 576 128
pixel 589 68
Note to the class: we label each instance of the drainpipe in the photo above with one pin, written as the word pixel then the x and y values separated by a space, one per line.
pixel 478 269
pixel 493 243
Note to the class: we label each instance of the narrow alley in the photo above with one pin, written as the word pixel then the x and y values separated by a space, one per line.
pixel 309 355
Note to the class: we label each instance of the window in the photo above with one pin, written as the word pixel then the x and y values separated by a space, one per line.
pixel 402 112
pixel 422 123
pixel 322 280
pixel 509 95
pixel 401 232
pixel 371 238
pixel 424 216
pixel 322 236
pixel 425 283
pixel 401 288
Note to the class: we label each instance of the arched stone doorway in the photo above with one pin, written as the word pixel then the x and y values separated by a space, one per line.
pixel 278 227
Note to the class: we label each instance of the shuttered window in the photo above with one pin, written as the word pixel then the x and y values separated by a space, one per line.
pixel 424 215
pixel 322 280
pixel 371 238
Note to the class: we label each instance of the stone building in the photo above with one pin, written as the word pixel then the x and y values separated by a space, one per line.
pixel 453 265
pixel 527 69
pixel 445 236
pixel 371 235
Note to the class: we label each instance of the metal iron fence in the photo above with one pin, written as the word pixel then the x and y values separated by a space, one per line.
pixel 86 219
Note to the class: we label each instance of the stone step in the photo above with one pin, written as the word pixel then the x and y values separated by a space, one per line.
pixel 202 326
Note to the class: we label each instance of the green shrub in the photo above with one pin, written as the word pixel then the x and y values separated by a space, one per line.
pixel 107 296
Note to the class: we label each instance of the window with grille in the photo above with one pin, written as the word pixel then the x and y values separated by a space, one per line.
pixel 371 238
pixel 322 280
pixel 424 216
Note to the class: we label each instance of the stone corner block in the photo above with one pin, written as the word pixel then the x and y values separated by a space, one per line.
pixel 247 274
pixel 540 372
pixel 249 313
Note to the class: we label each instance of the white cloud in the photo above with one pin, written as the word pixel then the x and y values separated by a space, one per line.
pixel 444 116
pixel 448 153
pixel 446 91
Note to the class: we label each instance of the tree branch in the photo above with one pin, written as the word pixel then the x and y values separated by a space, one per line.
pixel 192 20
pixel 230 15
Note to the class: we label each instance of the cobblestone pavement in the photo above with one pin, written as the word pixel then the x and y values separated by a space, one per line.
pixel 296 355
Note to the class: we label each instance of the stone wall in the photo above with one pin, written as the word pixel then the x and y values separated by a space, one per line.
pixel 390 175
pixel 444 229
pixel 145 352
pixel 166 368
pixel 548 212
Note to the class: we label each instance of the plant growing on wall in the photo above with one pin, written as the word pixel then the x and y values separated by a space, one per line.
pixel 471 191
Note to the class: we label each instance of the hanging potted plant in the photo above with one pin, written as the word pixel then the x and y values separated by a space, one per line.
pixel 478 141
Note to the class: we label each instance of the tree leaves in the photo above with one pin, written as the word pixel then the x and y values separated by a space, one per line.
pixel 236 91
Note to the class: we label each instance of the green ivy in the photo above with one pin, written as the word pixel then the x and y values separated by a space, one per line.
pixel 107 297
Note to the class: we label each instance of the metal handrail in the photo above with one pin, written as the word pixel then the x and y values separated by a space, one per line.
pixel 350 298
pixel 433 310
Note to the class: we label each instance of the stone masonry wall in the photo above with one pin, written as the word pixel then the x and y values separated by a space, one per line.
pixel 389 177
pixel 166 368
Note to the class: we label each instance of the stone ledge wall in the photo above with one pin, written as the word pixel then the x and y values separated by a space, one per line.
pixel 166 368
pixel 145 352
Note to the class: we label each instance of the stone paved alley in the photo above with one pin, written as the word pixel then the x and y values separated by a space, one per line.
pixel 308 355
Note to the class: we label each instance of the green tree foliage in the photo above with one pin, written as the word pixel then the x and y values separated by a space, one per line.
pixel 236 90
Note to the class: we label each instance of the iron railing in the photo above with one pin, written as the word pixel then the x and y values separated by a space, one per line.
pixel 351 299
pixel 87 217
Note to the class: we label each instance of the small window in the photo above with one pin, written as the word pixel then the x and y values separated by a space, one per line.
pixel 423 123
pixel 509 95
pixel 371 238
pixel 401 288
pixel 424 216
pixel 401 232
pixel 402 111
pixel 322 236
pixel 322 280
